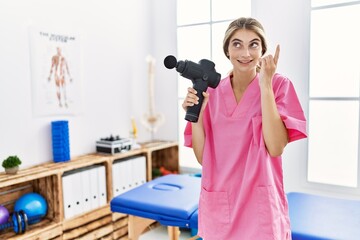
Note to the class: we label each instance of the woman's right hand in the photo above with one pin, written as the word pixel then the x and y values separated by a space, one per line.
pixel 197 128
pixel 191 99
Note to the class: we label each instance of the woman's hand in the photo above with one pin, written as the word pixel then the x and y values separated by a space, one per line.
pixel 268 66
pixel 197 128
pixel 191 99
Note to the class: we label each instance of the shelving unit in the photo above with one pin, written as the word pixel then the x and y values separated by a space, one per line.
pixel 46 179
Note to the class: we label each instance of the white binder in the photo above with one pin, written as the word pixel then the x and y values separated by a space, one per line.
pixel 116 178
pixel 119 174
pixel 77 193
pixel 94 189
pixel 68 195
pixel 142 169
pixel 102 185
pixel 134 172
pixel 139 170
pixel 128 174
pixel 86 190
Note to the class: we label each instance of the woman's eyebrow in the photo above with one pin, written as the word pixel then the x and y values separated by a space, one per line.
pixel 239 40
pixel 255 40
pixel 236 39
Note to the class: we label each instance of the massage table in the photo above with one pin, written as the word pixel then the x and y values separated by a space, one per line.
pixel 171 200
pixel 318 217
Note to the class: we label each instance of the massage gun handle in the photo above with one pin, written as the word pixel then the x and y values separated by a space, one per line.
pixel 192 113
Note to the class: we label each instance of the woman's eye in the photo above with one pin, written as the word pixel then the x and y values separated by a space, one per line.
pixel 236 44
pixel 254 45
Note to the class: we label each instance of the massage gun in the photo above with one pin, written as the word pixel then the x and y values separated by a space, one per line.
pixel 202 75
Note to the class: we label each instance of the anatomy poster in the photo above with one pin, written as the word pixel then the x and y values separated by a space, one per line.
pixel 55 61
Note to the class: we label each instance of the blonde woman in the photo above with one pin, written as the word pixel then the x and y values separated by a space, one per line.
pixel 243 127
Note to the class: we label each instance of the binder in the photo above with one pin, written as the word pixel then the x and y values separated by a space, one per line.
pixel 120 177
pixel 94 189
pixel 142 169
pixel 116 178
pixel 135 172
pixel 139 170
pixel 68 195
pixel 102 185
pixel 128 174
pixel 77 192
pixel 86 190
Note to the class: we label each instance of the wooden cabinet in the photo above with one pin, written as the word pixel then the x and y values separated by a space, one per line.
pixel 46 179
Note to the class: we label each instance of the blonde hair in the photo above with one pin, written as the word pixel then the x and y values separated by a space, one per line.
pixel 248 24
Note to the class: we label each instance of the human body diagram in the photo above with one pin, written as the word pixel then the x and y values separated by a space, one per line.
pixel 59 69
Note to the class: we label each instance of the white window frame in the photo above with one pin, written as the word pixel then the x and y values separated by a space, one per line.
pixel 353 192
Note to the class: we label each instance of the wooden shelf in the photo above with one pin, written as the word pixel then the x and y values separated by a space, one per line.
pixel 46 179
pixel 43 230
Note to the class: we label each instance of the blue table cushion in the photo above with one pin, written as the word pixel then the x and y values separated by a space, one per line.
pixel 172 200
pixel 318 217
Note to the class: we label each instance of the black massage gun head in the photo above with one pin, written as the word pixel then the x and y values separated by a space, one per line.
pixel 170 62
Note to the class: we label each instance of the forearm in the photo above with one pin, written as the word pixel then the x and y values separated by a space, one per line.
pixel 274 131
pixel 51 71
pixel 67 69
pixel 198 139
pixel 51 68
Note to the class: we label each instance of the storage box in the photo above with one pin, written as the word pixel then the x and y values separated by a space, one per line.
pixel 115 146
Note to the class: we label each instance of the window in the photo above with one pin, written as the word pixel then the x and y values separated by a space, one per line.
pixel 200 35
pixel 334 93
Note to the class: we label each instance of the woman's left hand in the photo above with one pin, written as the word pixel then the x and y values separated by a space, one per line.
pixel 268 66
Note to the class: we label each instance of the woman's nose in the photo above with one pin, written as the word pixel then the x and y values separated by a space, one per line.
pixel 245 52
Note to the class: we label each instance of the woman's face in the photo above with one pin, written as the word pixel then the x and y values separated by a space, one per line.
pixel 244 50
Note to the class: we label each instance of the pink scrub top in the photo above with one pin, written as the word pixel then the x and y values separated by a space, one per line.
pixel 242 195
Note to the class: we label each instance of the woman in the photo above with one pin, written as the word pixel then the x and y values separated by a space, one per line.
pixel 243 128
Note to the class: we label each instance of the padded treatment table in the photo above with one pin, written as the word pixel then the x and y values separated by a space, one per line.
pixel 172 200
pixel 317 217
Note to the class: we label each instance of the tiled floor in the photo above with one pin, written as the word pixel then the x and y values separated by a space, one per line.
pixel 160 233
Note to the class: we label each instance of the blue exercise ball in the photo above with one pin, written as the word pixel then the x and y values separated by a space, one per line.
pixel 4 214
pixel 34 205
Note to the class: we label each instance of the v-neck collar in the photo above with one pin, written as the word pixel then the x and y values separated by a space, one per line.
pixel 233 108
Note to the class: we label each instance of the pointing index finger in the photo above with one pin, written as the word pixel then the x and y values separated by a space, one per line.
pixel 277 53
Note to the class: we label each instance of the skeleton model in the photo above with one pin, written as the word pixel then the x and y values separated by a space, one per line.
pixel 151 120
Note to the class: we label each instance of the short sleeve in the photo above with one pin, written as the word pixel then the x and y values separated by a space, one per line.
pixel 188 135
pixel 290 110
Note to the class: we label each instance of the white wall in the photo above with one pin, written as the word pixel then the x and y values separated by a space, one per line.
pixel 116 38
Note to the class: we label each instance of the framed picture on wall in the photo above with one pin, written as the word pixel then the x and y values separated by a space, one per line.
pixel 55 63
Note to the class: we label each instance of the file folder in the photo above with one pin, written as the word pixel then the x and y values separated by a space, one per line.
pixel 68 195
pixel 94 199
pixel 86 190
pixel 102 185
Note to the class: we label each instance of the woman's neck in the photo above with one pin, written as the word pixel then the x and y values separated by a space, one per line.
pixel 240 80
